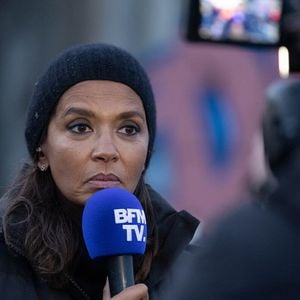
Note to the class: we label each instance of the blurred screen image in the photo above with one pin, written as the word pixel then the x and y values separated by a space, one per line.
pixel 250 21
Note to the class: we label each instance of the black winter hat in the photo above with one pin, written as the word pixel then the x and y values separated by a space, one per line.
pixel 80 63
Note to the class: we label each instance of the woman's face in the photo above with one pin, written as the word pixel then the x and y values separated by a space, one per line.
pixel 97 138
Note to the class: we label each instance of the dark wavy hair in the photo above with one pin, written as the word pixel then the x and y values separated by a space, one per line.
pixel 48 224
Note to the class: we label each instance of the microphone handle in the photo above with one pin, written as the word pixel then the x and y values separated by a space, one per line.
pixel 120 273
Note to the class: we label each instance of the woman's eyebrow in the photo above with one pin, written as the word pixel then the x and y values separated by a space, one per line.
pixel 78 111
pixel 131 114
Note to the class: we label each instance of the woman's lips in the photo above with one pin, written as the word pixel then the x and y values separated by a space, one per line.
pixel 101 181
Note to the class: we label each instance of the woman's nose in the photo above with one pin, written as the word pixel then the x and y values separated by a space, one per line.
pixel 105 149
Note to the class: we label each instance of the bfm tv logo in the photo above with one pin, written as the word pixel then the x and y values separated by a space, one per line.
pixel 129 216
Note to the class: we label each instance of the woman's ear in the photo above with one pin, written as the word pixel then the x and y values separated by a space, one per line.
pixel 42 161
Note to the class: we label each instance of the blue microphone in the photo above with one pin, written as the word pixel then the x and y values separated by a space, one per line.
pixel 114 226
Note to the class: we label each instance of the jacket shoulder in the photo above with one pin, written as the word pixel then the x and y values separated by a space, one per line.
pixel 175 231
pixel 165 213
pixel 15 276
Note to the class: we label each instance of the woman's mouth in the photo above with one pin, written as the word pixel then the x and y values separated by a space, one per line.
pixel 101 181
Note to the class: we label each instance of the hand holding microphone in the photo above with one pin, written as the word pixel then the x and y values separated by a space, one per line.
pixel 136 292
pixel 114 227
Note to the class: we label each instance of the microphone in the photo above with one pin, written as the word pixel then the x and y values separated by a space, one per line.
pixel 114 226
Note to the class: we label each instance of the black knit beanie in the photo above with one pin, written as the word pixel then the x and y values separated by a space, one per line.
pixel 80 63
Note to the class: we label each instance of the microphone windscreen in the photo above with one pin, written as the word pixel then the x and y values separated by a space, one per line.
pixel 114 223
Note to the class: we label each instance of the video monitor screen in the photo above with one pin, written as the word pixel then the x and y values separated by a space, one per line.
pixel 254 22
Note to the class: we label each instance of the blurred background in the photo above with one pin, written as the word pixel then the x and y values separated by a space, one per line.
pixel 209 97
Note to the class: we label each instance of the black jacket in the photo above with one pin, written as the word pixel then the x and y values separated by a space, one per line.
pixel 18 281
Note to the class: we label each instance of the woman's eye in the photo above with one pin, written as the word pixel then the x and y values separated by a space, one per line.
pixel 80 128
pixel 129 130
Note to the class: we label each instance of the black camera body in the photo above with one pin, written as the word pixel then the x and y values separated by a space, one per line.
pixel 281 123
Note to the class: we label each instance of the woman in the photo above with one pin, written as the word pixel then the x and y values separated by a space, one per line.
pixel 90 125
